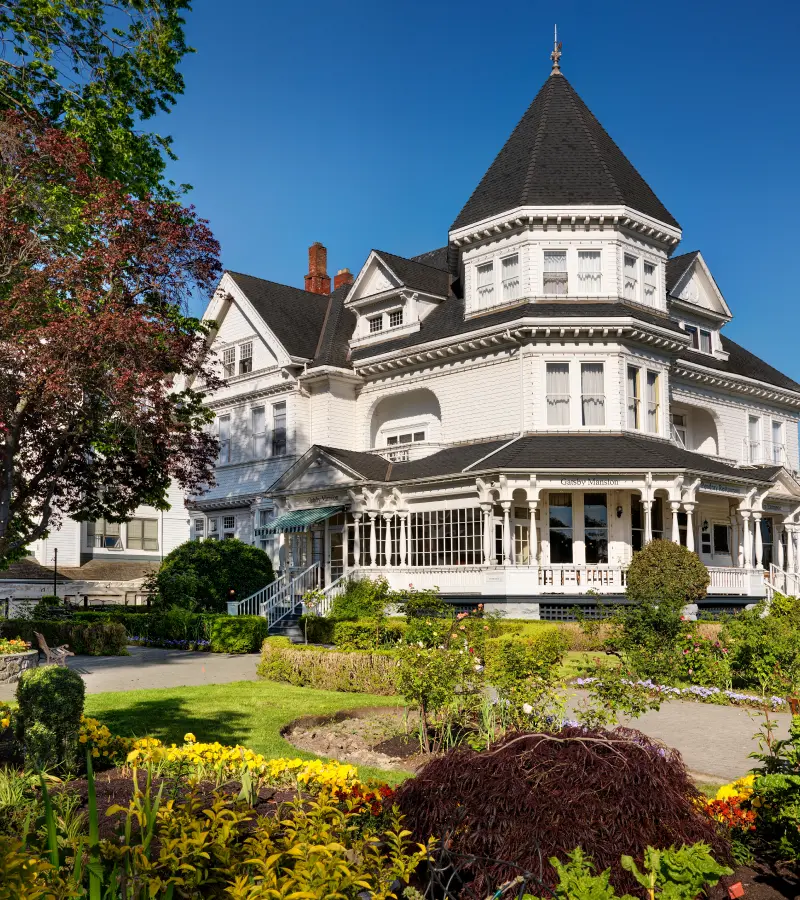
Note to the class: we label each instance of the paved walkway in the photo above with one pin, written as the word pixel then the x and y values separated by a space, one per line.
pixel 714 740
pixel 150 667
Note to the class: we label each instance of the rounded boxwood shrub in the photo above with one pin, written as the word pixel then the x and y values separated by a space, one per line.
pixel 199 574
pixel 50 701
pixel 665 571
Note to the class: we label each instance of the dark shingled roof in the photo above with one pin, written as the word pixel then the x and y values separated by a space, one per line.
pixel 333 348
pixel 417 274
pixel 742 362
pixel 677 266
pixel 538 452
pixel 559 154
pixel 436 258
pixel 94 570
pixel 296 316
pixel 447 320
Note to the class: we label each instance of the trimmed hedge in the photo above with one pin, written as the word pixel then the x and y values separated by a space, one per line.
pixel 91 638
pixel 217 632
pixel 350 635
pixel 332 670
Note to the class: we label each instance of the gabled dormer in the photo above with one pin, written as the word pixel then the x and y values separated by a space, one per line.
pixel 391 297
pixel 696 302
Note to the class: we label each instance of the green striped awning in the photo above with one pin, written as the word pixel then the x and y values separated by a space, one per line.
pixel 298 520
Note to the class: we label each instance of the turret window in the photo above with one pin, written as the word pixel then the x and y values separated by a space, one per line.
pixel 650 284
pixel 589 272
pixel 630 278
pixel 485 283
pixel 555 281
pixel 510 266
pixel 557 385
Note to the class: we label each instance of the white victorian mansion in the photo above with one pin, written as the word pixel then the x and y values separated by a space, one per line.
pixel 511 416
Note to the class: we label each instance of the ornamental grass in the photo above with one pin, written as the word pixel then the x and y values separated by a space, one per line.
pixel 536 796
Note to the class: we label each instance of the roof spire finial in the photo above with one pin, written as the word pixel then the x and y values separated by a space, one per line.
pixel 556 54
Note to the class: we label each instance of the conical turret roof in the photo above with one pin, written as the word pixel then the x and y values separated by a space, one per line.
pixel 560 155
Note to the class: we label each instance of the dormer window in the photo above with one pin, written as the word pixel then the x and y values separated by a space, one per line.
pixel 395 318
pixel 375 324
pixel 485 283
pixel 630 277
pixel 701 339
pixel 406 437
pixel 510 267
pixel 589 271
pixel 555 273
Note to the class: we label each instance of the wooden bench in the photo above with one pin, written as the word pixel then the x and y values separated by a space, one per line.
pixel 57 656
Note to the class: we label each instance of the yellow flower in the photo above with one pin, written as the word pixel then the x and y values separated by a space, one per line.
pixel 5 722
pixel 189 738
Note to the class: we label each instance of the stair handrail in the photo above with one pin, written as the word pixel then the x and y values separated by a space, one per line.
pixel 337 587
pixel 275 608
pixel 250 606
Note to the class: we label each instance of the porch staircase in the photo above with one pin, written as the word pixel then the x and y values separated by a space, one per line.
pixel 780 582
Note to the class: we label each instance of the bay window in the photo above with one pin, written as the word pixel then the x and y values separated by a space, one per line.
pixel 557 387
pixel 593 399
pixel 555 281
pixel 634 398
pixel 589 272
pixel 653 403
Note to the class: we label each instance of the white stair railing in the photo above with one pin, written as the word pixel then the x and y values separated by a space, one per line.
pixel 251 605
pixel 330 593
pixel 787 583
pixel 290 596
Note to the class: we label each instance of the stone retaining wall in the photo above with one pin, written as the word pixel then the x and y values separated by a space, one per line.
pixel 11 664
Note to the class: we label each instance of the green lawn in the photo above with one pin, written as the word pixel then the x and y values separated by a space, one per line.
pixel 250 713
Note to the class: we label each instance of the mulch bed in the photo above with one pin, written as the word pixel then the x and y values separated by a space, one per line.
pixel 760 882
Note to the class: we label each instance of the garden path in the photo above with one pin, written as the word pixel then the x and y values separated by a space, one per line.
pixel 150 667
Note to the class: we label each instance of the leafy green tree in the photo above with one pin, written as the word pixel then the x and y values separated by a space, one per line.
pixel 665 571
pixel 98 68
pixel 200 574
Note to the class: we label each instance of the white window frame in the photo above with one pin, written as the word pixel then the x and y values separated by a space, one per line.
pixel 582 292
pixel 636 398
pixel 680 433
pixel 259 437
pixel 228 362
pixel 153 548
pixel 567 396
pixel 636 298
pixel 778 447
pixel 275 416
pixel 373 319
pixel 705 332
pixel 224 443
pixel 592 362
pixel 393 312
pixel 245 357
pixel 485 293
pixel 755 449
pixel 694 333
pixel 394 438
pixel 199 528
pixel 228 527
pixel 514 282
pixel 649 284
pixel 109 540
pixel 565 251
pixel 657 403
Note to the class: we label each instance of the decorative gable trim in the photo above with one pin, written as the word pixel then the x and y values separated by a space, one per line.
pixel 739 384
pixel 315 455
pixel 684 279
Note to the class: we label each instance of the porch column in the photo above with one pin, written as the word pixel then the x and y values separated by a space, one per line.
pixel 647 506
pixel 356 541
pixel 373 539
pixel 402 549
pixel 387 538
pixel 506 504
pixel 676 531
pixel 759 540
pixel 533 538
pixel 734 540
pixel 780 557
pixel 790 560
pixel 689 508
pixel 488 537
pixel 747 541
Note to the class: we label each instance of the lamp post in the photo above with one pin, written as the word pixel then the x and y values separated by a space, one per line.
pixel 55 572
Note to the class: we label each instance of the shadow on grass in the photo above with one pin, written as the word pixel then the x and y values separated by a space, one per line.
pixel 171 718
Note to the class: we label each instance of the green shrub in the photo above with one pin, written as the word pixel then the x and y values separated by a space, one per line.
pixel 90 638
pixel 50 607
pixel 369 635
pixel 420 604
pixel 237 634
pixel 363 598
pixel 50 701
pixel 198 575
pixel 665 572
pixel 318 629
pixel 332 670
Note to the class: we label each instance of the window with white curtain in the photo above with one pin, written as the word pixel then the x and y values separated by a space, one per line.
pixel 485 283
pixel 754 439
pixel 777 442
pixel 653 382
pixel 634 398
pixel 557 394
pixel 705 341
pixel 589 274
pixel 554 278
pixel 650 280
pixel 259 433
pixel 510 273
pixel 593 398
pixel 691 330
pixel 224 434
pixel 630 277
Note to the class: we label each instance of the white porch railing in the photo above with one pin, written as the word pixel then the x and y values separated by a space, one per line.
pixel 787 583
pixel 251 605
pixel 604 579
pixel 290 596
pixel 726 580
pixel 330 593
pixel 765 452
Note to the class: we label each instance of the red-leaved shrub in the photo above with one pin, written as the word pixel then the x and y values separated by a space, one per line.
pixel 533 796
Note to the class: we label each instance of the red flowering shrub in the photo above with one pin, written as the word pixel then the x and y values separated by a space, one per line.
pixel 536 796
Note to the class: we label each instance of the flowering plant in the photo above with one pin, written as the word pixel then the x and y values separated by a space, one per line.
pixel 699 660
pixel 13 645
pixel 732 805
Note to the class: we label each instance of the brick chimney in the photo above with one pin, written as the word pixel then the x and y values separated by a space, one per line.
pixel 343 276
pixel 318 281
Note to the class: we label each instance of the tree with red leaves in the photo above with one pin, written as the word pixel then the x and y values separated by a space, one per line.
pixel 102 373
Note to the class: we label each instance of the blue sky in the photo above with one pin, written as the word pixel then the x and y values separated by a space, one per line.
pixel 367 125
